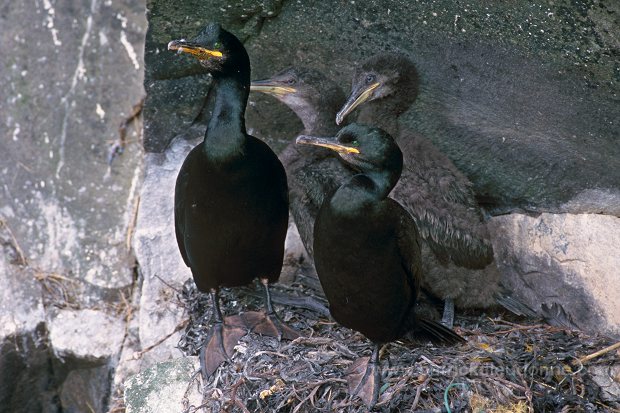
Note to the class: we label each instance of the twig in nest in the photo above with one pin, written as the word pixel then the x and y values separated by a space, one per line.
pixel 418 392
pixel 597 353
pixel 124 307
pixel 167 284
pixel 257 354
pixel 305 302
pixel 518 328
pixel 315 387
pixel 140 353
pixel 426 359
pixel 524 389
pixel 233 396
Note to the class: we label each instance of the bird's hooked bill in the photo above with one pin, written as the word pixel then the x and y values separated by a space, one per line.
pixel 356 98
pixel 270 87
pixel 183 46
pixel 329 143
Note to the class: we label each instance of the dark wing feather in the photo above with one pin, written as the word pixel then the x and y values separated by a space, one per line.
pixel 180 193
pixel 407 239
pixel 408 246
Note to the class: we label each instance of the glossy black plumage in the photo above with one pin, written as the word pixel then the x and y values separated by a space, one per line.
pixel 313 173
pixel 366 250
pixel 231 202
pixel 456 248
pixel 231 218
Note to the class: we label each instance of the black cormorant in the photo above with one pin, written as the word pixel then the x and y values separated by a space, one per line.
pixel 366 252
pixel 231 202
pixel 457 252
pixel 313 173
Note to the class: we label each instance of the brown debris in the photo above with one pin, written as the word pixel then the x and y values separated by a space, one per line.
pixel 508 365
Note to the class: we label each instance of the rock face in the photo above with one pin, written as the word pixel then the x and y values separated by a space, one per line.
pixel 24 357
pixel 165 387
pixel 161 264
pixel 564 266
pixel 71 72
pixel 89 335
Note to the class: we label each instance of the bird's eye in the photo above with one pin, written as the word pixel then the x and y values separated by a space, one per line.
pixel 291 81
pixel 348 139
pixel 370 78
pixel 217 45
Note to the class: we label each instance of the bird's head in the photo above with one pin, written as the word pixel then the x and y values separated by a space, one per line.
pixel 365 148
pixel 299 87
pixel 387 75
pixel 286 85
pixel 216 49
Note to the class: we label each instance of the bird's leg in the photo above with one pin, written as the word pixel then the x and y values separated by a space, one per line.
pixel 269 324
pixel 221 339
pixel 363 378
pixel 448 313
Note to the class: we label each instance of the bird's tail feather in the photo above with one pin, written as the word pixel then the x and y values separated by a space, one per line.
pixel 514 306
pixel 425 329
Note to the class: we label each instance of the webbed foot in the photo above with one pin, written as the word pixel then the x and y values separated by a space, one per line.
pixel 364 378
pixel 269 325
pixel 220 344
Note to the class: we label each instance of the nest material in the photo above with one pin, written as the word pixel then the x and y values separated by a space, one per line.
pixel 505 367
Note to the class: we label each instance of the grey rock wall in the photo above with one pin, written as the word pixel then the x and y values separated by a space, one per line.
pixel 70 72
pixel 165 387
pixel 565 266
pixel 161 264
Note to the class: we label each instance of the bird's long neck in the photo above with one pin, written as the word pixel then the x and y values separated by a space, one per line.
pixel 384 181
pixel 316 121
pixel 364 190
pixel 382 113
pixel 319 118
pixel 226 131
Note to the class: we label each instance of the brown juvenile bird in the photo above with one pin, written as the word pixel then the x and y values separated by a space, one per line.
pixel 231 203
pixel 313 173
pixel 367 254
pixel 457 253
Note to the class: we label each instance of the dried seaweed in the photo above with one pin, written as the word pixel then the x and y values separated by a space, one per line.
pixel 507 366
